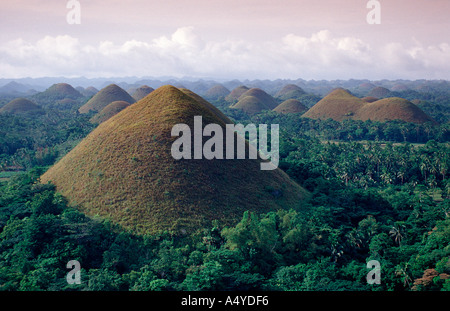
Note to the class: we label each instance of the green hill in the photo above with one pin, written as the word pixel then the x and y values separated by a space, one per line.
pixel 21 106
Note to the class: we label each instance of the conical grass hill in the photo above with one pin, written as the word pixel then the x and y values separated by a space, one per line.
pixel 233 97
pixel 106 96
pixel 338 105
pixel 141 92
pixel 254 101
pixel 111 110
pixel 124 171
pixel 290 106
pixel 21 106
pixel 393 108
pixel 61 91
pixel 290 91
pixel 216 92
pixel 379 92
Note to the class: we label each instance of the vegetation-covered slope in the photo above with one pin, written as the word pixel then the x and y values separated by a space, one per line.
pixel 21 105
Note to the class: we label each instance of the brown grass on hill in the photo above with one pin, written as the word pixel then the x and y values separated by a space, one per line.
pixel 61 91
pixel 254 101
pixel 250 105
pixel 379 92
pixel 338 105
pixel 106 96
pixel 290 106
pixel 265 98
pixel 393 108
pixel 370 99
pixel 20 106
pixel 217 91
pixel 124 171
pixel 214 110
pixel 141 92
pixel 111 110
pixel 233 97
pixel 290 91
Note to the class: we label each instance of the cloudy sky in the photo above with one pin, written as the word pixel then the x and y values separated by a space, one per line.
pixel 254 39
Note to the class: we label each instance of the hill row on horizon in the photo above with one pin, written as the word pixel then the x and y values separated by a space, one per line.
pixel 359 87
pixel 339 104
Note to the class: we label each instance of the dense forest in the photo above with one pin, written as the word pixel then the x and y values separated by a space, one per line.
pixel 380 191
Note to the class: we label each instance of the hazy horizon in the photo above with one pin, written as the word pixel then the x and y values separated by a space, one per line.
pixel 252 39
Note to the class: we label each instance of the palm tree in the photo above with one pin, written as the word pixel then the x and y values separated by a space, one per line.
pixel 396 233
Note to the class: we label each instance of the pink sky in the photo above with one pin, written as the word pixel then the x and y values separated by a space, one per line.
pixel 248 28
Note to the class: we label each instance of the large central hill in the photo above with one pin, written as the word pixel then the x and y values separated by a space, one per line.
pixel 124 171
pixel 341 104
pixel 104 97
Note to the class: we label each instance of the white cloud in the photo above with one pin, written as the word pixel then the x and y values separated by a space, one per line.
pixel 320 56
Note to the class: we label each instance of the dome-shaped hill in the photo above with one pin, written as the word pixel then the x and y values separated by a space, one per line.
pixel 337 105
pixel 393 108
pixel 111 110
pixel 290 91
pixel 370 99
pixel 399 87
pixel 106 96
pixel 124 171
pixel 236 93
pixel 217 91
pixel 88 92
pixel 21 106
pixel 365 87
pixel 141 92
pixel 254 101
pixel 213 109
pixel 61 91
pixel 250 105
pixel 268 100
pixel 379 92
pixel 290 106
